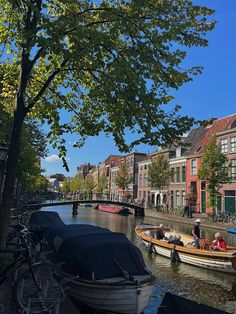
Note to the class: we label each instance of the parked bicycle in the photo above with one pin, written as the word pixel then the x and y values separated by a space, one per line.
pixel 38 285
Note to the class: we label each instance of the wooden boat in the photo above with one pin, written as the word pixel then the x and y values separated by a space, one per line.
pixel 110 272
pixel 203 257
pixel 231 230
pixel 113 209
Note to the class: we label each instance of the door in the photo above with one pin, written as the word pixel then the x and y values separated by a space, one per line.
pixel 203 197
pixel 203 202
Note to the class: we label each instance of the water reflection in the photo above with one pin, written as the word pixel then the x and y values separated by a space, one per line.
pixel 198 284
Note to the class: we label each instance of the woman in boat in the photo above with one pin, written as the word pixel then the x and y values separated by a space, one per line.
pixel 218 244
pixel 176 240
pixel 196 233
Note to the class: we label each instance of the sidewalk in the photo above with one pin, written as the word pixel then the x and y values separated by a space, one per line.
pixel 189 221
pixel 8 306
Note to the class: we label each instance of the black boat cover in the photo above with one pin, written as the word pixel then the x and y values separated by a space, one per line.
pixel 173 304
pixel 43 220
pixel 55 236
pixel 95 253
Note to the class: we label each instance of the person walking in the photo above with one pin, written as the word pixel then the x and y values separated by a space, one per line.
pixel 196 233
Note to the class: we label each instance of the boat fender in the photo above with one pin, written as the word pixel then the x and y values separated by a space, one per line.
pixel 173 255
pixel 151 247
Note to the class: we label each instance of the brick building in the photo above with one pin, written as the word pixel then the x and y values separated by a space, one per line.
pixel 225 130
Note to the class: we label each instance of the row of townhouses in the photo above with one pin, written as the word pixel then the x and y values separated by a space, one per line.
pixel 185 162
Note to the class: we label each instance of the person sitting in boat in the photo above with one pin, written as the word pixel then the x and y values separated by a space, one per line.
pixel 218 244
pixel 196 233
pixel 176 240
pixel 160 233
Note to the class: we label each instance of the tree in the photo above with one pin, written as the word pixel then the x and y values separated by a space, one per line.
pixel 89 184
pixel 123 178
pixel 66 187
pixel 214 170
pixel 159 172
pixel 102 183
pixel 32 148
pixel 77 184
pixel 110 64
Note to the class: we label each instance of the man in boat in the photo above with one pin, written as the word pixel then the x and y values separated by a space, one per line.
pixel 196 233
pixel 218 244
pixel 160 233
pixel 176 240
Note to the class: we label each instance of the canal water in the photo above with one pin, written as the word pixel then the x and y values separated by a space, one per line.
pixel 204 286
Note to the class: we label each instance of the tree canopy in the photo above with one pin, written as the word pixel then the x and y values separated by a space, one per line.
pixel 110 64
pixel 159 172
pixel 123 178
pixel 214 170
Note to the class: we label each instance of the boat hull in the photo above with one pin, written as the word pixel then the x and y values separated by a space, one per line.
pixel 124 299
pixel 114 209
pixel 217 261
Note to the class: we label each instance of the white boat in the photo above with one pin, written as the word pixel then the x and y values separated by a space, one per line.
pixel 110 271
pixel 203 257
pixel 115 295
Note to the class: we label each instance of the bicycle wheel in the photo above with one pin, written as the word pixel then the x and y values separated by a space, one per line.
pixel 39 287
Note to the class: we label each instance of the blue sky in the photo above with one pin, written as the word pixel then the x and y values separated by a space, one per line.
pixel 211 94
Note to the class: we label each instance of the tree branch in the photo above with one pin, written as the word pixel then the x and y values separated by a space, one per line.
pixel 46 85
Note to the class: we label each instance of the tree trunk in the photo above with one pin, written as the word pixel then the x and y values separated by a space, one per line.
pixel 8 190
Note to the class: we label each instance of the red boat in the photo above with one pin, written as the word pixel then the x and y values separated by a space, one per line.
pixel 113 209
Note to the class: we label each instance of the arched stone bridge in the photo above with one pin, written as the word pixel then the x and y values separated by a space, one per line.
pixel 136 209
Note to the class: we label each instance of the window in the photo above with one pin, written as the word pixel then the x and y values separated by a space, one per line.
pixel 194 167
pixel 224 146
pixel 173 175
pixel 171 199
pixel 233 170
pixel 139 195
pixel 233 144
pixel 183 173
pixel 183 198
pixel 229 193
pixel 177 198
pixel 140 180
pixel 144 195
pixel 141 167
pixel 177 174
pixel 145 167
pixel 145 180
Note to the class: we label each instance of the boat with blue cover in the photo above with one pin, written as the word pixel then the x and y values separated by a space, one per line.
pixel 111 273
pixel 231 230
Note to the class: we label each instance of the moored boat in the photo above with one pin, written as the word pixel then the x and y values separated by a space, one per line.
pixel 231 230
pixel 110 271
pixel 203 257
pixel 113 209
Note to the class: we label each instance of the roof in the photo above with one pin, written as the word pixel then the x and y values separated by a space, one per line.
pixel 193 137
pixel 219 125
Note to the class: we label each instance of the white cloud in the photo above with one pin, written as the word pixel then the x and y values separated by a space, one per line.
pixel 52 158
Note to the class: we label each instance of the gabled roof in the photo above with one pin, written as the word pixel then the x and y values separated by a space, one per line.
pixel 219 125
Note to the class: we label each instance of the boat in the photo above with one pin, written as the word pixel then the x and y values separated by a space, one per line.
pixel 113 209
pixel 85 205
pixel 203 257
pixel 110 273
pixel 231 230
pixel 174 304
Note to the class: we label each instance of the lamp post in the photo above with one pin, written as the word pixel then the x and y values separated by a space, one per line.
pixel 3 156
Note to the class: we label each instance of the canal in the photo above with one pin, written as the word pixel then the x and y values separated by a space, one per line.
pixel 204 286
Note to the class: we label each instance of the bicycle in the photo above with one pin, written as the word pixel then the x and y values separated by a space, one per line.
pixel 31 285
